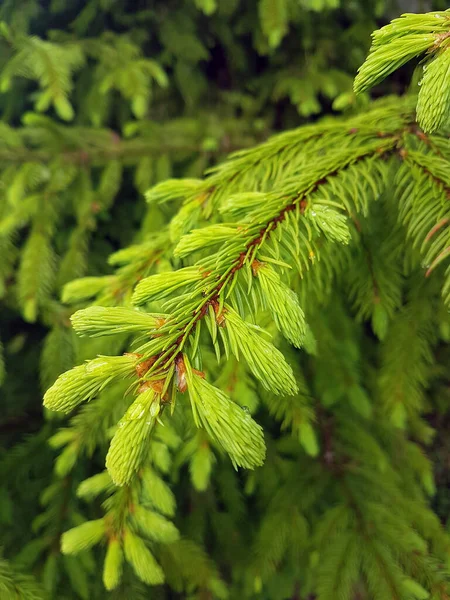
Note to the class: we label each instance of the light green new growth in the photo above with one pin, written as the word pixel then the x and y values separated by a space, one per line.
pixel 157 492
pixel 265 361
pixel 405 38
pixel 130 442
pixel 283 303
pixel 93 486
pixel 157 287
pixel 154 525
pixel 173 189
pixel 142 560
pixel 85 382
pixel 309 234
pixel 99 320
pixel 433 106
pixel 226 422
pixel 131 522
pixel 84 536
pixel 83 289
pixel 112 568
pixel 296 296
pixel 203 238
pixel 201 465
pixel 297 222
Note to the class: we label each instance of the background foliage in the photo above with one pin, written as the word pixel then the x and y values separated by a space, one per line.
pixel 101 100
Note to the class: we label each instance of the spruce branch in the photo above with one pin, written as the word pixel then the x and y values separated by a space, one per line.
pixel 100 320
pixel 401 40
pixel 129 445
pixel 108 147
pixel 298 222
pixel 301 210
pixel 299 282
pixel 245 241
pixel 86 381
pixel 136 523
pixel 15 584
pixel 427 227
pixel 241 437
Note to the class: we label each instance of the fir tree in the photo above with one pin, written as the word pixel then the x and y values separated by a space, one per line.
pixel 259 370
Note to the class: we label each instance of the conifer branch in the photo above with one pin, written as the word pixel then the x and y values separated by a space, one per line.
pixel 248 242
pixel 230 272
pixel 282 314
pixel 14 584
pixel 401 40
pixel 208 287
pixel 114 148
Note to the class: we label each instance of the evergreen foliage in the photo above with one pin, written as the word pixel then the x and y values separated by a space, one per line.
pixel 405 38
pixel 261 366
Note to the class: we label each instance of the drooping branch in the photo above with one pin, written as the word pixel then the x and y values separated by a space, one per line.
pixel 241 249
